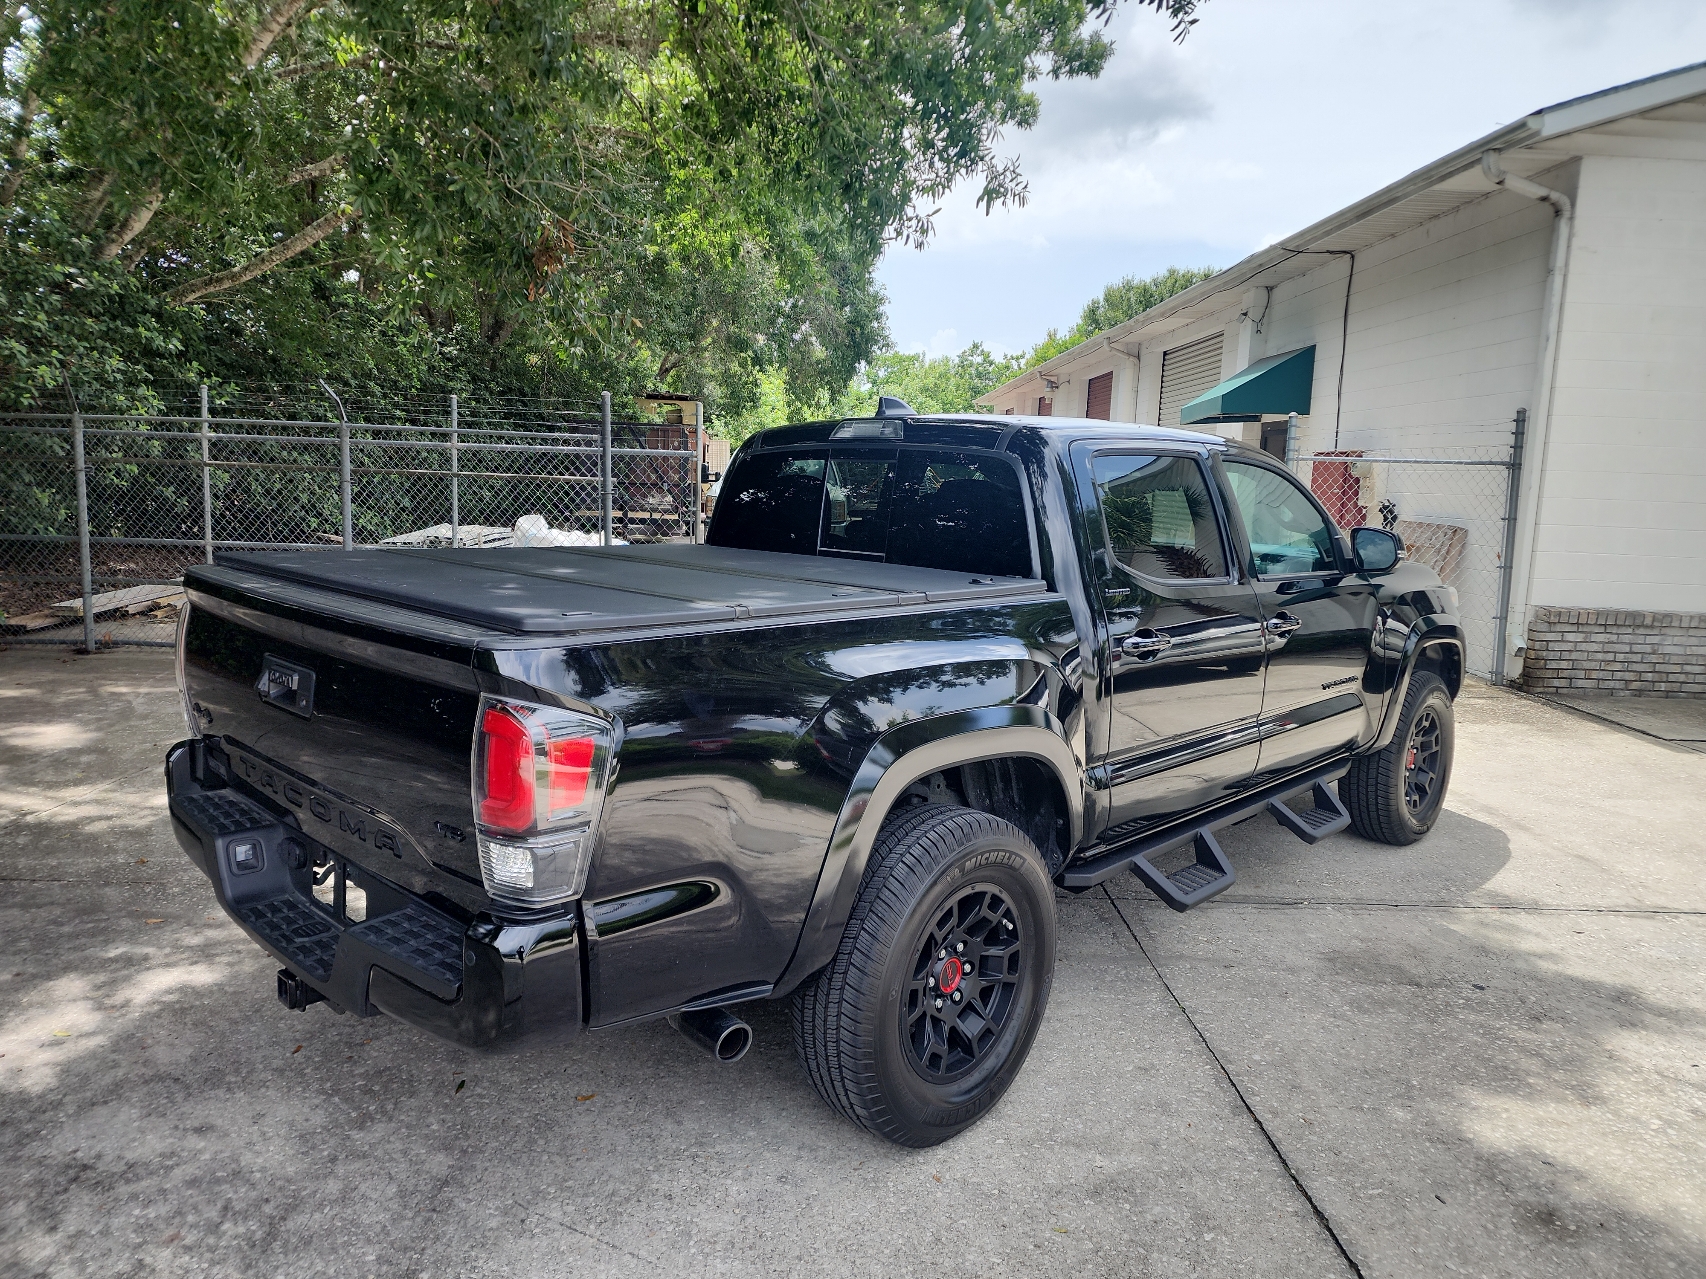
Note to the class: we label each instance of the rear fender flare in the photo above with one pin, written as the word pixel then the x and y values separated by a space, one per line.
pixel 1426 632
pixel 900 757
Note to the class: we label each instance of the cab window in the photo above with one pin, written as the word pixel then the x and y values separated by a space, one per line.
pixel 1157 516
pixel 932 508
pixel 1288 534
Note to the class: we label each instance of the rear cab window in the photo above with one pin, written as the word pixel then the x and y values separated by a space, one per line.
pixel 959 510
pixel 1158 516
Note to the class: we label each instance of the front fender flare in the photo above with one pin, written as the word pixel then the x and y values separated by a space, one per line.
pixel 898 758
pixel 1426 632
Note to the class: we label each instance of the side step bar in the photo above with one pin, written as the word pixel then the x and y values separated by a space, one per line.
pixel 1193 883
pixel 1312 825
pixel 1211 873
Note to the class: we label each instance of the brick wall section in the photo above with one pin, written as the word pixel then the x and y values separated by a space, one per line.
pixel 1621 652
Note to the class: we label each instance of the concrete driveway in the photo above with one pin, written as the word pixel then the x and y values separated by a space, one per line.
pixel 1483 1055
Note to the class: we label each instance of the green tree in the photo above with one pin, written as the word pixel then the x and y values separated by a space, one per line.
pixel 1130 296
pixel 508 190
pixel 940 384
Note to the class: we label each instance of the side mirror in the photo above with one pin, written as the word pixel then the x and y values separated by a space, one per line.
pixel 1376 549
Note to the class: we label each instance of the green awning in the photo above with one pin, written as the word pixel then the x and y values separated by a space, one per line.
pixel 1278 384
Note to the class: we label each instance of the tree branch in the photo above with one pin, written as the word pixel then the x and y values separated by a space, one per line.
pixel 319 169
pixel 132 226
pixel 296 70
pixel 271 28
pixel 28 106
pixel 95 199
pixel 283 251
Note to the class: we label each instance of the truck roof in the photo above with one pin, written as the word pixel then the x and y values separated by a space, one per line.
pixel 968 430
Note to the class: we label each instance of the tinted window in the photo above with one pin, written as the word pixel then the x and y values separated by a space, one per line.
pixel 771 502
pixel 960 511
pixel 856 503
pixel 1288 533
pixel 926 507
pixel 1159 517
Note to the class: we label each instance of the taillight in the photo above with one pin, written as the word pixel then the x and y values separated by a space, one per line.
pixel 540 773
pixel 571 769
pixel 508 801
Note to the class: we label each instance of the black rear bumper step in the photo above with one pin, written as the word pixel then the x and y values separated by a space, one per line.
pixel 1312 825
pixel 1211 873
pixel 489 984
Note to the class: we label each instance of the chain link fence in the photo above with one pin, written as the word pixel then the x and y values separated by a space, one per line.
pixel 1455 509
pixel 100 513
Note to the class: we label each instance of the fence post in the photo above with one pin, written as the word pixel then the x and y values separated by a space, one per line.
pixel 343 467
pixel 455 481
pixel 206 483
pixel 80 464
pixel 1513 484
pixel 698 466
pixel 1291 439
pixel 606 495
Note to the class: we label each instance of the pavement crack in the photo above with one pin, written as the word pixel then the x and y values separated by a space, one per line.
pixel 587 1234
pixel 1293 902
pixel 79 797
pixel 1320 1216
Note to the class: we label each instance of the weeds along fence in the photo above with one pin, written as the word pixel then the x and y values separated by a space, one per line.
pixel 1455 509
pixel 100 513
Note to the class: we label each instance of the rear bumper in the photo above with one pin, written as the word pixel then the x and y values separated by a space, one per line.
pixel 486 984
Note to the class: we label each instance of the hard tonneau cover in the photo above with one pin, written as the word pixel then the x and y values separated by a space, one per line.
pixel 574 590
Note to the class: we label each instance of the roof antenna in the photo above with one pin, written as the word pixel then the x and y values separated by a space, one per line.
pixel 890 406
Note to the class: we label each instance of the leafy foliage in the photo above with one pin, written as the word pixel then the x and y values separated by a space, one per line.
pixel 943 384
pixel 1122 300
pixel 526 194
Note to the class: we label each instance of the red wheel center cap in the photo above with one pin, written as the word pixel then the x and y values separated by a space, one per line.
pixel 953 970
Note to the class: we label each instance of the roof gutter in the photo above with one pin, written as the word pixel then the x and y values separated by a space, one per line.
pixel 1533 477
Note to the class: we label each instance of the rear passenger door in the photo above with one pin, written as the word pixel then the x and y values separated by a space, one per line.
pixel 1181 632
pixel 1318 614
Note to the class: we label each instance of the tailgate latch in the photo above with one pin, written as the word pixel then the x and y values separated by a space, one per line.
pixel 286 685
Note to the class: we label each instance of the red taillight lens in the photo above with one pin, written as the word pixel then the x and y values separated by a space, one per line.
pixel 507 803
pixel 571 766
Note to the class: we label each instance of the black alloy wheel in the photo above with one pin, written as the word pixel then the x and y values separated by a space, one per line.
pixel 1421 762
pixel 1396 794
pixel 964 983
pixel 954 902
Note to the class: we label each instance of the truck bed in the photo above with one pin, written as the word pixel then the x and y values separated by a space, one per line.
pixel 567 591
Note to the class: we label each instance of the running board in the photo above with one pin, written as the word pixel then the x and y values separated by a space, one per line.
pixel 1211 873
pixel 1193 883
pixel 1312 825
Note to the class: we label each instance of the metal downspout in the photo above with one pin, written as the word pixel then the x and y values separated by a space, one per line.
pixel 1540 414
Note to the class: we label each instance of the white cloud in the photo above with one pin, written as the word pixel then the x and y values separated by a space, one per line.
pixel 1266 119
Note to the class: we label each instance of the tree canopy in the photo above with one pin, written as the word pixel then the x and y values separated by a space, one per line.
pixel 543 194
pixel 958 383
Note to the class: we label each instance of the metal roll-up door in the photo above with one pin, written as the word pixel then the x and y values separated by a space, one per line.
pixel 1099 397
pixel 1186 372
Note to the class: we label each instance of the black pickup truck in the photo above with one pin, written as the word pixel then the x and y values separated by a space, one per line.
pixel 923 672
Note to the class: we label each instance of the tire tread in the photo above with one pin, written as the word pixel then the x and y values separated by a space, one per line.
pixel 836 1046
pixel 1373 791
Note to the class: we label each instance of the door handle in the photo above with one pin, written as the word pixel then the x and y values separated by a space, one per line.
pixel 1146 645
pixel 1282 624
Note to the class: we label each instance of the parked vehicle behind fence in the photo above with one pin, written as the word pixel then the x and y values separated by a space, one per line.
pixel 925 671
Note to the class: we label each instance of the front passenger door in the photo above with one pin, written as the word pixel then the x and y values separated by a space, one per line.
pixel 1318 616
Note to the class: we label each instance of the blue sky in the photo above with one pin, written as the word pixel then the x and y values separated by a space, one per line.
pixel 1269 116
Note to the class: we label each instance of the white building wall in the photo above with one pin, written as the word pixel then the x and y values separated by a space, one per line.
pixel 1622 511
pixel 1443 336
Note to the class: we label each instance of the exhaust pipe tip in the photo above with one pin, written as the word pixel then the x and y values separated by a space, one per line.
pixel 716 1032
